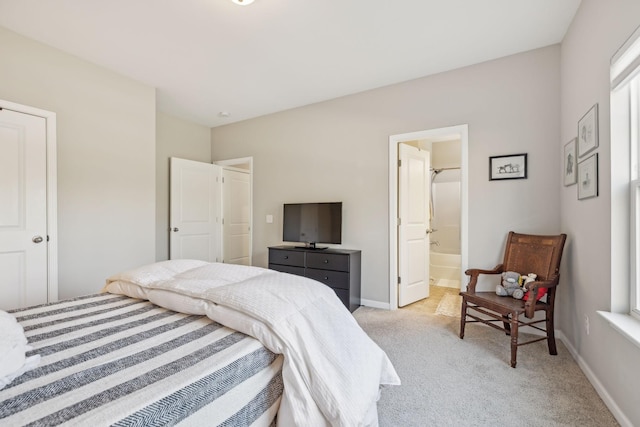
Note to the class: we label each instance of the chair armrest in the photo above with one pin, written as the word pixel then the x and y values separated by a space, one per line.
pixel 532 287
pixel 473 274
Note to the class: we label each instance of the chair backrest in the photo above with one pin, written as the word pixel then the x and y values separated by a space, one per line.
pixel 527 253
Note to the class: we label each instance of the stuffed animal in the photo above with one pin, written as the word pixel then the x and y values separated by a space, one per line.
pixel 531 277
pixel 510 285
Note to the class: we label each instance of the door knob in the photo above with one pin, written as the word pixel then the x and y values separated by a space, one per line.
pixel 37 239
pixel 175 229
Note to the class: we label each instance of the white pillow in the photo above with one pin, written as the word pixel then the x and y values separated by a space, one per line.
pixel 13 346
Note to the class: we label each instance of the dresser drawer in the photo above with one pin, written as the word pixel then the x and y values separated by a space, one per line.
pixel 337 262
pixel 298 271
pixel 343 294
pixel 284 257
pixel 333 279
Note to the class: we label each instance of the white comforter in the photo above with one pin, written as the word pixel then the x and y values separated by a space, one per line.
pixel 332 370
pixel 13 349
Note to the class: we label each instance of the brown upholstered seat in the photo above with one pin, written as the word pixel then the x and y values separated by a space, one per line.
pixel 524 253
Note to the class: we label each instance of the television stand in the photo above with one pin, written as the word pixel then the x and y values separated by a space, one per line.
pixel 337 268
pixel 312 247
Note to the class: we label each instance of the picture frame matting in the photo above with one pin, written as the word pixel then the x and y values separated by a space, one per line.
pixel 510 166
pixel 588 132
pixel 570 164
pixel 588 177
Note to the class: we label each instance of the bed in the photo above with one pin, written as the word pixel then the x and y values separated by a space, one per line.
pixel 186 342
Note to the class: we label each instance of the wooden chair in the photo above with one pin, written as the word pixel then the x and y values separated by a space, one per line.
pixel 524 254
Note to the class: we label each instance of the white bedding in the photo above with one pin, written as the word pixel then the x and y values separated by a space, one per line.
pixel 13 347
pixel 332 371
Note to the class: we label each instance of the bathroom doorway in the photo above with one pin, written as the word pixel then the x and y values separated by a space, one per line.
pixel 447 228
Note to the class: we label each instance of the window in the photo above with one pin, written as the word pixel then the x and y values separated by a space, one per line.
pixel 634 196
pixel 625 178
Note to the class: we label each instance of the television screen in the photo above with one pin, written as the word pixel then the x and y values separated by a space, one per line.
pixel 312 223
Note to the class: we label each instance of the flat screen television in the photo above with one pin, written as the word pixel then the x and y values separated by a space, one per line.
pixel 312 223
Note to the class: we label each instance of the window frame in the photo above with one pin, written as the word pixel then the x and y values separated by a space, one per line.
pixel 625 181
pixel 634 192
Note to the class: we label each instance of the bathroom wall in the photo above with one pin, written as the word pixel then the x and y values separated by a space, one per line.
pixel 445 190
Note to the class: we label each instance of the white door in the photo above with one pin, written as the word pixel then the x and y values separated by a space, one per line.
pixel 194 210
pixel 23 210
pixel 413 240
pixel 236 224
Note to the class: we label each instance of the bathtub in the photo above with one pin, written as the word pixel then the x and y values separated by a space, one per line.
pixel 444 269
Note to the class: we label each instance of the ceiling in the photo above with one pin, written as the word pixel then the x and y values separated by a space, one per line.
pixel 206 57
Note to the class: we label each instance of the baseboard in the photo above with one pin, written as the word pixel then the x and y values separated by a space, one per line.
pixel 447 283
pixel 375 304
pixel 595 382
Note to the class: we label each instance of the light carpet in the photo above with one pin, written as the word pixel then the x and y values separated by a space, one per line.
pixel 447 381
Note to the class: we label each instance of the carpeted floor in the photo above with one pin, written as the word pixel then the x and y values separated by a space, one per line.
pixel 447 381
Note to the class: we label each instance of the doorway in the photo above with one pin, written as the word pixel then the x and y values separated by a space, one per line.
pixel 453 133
pixel 28 206
pixel 211 210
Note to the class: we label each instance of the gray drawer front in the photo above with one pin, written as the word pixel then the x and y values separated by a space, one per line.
pixel 277 256
pixel 336 262
pixel 334 279
pixel 299 271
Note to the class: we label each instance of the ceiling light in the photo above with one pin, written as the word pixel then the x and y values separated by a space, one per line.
pixel 243 2
pixel 224 114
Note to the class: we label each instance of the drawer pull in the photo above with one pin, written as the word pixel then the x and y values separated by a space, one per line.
pixel 286 257
pixel 326 278
pixel 326 261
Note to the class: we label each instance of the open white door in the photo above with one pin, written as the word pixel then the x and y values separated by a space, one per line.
pixel 413 240
pixel 236 196
pixel 194 212
pixel 23 210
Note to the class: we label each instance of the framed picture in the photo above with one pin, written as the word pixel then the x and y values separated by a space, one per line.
pixel 588 131
pixel 570 164
pixel 588 177
pixel 512 166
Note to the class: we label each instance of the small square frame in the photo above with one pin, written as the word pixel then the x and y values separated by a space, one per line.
pixel 510 166
pixel 588 131
pixel 588 177
pixel 570 163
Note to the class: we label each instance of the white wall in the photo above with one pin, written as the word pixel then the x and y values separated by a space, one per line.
pixel 106 158
pixel 338 151
pixel 598 30
pixel 175 138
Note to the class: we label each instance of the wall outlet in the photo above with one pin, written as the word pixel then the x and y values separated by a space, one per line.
pixel 586 324
pixel 269 219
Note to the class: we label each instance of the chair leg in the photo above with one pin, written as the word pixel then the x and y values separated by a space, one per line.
pixel 514 339
pixel 463 317
pixel 507 326
pixel 551 335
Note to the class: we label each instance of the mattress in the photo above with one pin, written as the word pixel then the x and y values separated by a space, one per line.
pixel 114 360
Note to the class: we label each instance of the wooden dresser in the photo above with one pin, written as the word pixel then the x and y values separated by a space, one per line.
pixel 337 268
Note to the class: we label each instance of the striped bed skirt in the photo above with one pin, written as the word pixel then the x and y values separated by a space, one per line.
pixel 113 360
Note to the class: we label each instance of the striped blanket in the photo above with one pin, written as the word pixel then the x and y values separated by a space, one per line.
pixel 332 371
pixel 113 360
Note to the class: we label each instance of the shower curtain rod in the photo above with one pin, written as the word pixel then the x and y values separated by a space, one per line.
pixel 442 169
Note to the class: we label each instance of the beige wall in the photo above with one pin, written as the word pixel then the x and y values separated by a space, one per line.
pixel 338 151
pixel 597 31
pixel 175 138
pixel 106 158
pixel 109 170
